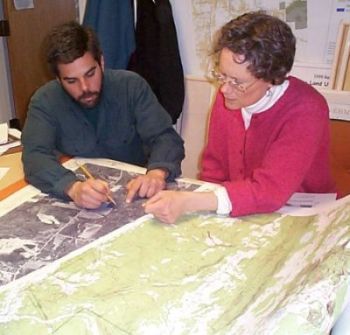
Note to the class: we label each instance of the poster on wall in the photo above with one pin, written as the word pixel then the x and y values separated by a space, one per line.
pixel 315 24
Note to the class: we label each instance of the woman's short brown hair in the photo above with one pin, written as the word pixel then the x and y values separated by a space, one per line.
pixel 266 42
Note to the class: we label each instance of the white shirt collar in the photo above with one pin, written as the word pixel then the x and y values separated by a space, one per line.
pixel 267 101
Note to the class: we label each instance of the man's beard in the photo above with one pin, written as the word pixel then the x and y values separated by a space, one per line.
pixel 82 100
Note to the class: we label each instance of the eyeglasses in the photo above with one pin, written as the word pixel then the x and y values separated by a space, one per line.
pixel 232 82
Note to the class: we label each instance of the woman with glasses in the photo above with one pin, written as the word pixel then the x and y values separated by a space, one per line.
pixel 268 133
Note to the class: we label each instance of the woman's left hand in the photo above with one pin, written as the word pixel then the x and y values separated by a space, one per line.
pixel 167 206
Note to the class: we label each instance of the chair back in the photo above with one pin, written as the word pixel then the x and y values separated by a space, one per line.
pixel 340 155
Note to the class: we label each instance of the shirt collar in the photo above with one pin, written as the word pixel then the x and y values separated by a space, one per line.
pixel 266 102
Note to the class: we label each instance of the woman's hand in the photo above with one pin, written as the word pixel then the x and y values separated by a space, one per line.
pixel 168 206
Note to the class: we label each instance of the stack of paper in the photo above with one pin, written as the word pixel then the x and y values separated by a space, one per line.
pixel 3 133
pixel 9 138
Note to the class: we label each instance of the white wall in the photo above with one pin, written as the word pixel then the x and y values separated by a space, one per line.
pixel 182 12
pixel 6 101
pixel 82 5
pixel 194 122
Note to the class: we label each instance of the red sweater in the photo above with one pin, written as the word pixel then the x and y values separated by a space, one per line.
pixel 284 150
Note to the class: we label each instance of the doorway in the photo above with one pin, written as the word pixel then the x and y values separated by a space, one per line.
pixel 28 27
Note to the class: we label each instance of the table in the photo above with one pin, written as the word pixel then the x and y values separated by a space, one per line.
pixel 14 179
pixel 265 274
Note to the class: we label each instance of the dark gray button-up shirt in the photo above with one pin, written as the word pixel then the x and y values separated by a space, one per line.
pixel 131 127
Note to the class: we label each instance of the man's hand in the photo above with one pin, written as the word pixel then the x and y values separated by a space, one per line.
pixel 90 193
pixel 147 185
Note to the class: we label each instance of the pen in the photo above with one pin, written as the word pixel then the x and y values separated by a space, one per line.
pixel 89 175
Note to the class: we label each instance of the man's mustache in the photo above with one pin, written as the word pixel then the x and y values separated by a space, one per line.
pixel 88 94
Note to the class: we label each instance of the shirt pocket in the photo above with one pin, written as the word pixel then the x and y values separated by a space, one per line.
pixel 122 136
pixel 77 141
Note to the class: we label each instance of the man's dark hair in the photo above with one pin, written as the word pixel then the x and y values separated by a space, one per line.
pixel 266 42
pixel 69 41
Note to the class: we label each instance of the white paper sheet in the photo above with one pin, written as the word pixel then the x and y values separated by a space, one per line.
pixel 3 133
pixel 3 171
pixel 306 200
pixel 5 147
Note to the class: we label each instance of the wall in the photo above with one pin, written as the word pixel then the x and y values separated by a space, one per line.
pixel 182 12
pixel 6 102
pixel 82 5
pixel 193 123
